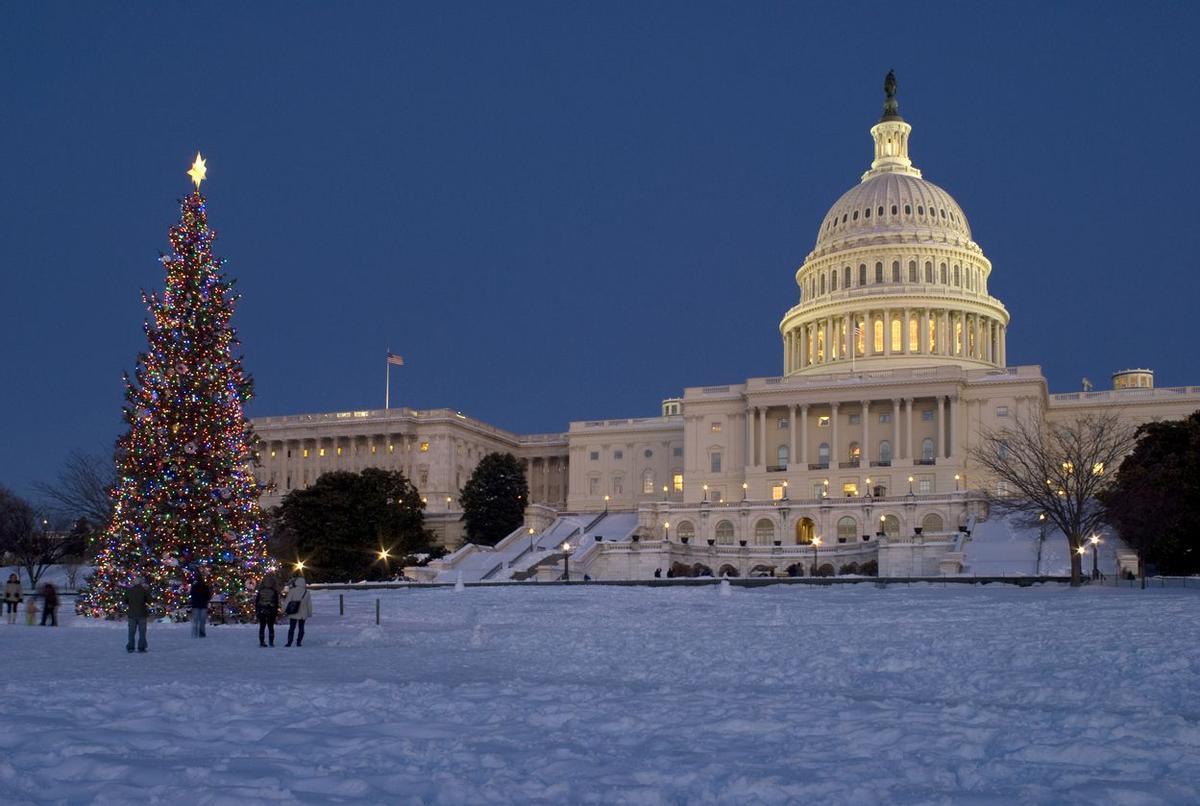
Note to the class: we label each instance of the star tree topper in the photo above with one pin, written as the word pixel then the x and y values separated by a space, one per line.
pixel 198 171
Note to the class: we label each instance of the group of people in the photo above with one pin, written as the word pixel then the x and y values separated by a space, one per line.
pixel 13 597
pixel 268 600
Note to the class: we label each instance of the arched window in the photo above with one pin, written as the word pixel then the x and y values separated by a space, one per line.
pixel 885 452
pixel 878 335
pixel 847 529
pixel 846 277
pixel 942 274
pixel 823 453
pixel 894 209
pixel 908 209
pixel 890 525
pixel 724 533
pixel 914 335
pixel 782 456
pixel 927 450
pixel 648 482
pixel 855 452
pixel 912 271
pixel 897 336
pixel 931 523
pixel 805 530
pixel 957 276
pixel 867 213
pixel 686 529
pixel 833 282
pixel 895 271
pixel 822 283
pixel 862 273
pixel 928 272
pixel 879 272
pixel 933 342
pixel 764 532
pixel 854 216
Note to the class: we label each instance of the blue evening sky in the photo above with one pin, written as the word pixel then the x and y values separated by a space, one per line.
pixel 560 211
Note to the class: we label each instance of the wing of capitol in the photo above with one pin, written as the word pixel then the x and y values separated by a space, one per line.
pixel 854 459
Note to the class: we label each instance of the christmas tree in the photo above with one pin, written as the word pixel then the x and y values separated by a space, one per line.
pixel 185 499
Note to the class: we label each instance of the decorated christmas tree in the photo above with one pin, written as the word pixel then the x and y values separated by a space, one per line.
pixel 185 499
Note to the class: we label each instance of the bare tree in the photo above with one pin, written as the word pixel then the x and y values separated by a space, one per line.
pixel 32 548
pixel 82 488
pixel 1055 469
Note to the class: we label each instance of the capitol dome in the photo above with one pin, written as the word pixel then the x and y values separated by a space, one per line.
pixel 894 278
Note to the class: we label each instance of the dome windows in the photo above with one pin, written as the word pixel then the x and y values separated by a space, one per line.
pixel 895 271
pixel 879 272
pixel 833 282
pixel 867 213
pixel 880 211
pixel 854 216
pixel 908 209
pixel 862 274
pixel 894 208
pixel 912 271
pixel 920 210
pixel 846 277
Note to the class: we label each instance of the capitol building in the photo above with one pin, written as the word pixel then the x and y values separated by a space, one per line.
pixel 854 458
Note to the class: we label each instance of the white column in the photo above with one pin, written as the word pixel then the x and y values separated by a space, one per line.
pixel 951 449
pixel 804 436
pixel 939 445
pixel 904 334
pixel 895 429
pixel 908 401
pixel 749 436
pixel 888 347
pixel 866 436
pixel 762 436
pixel 834 448
pixel 791 409
pixel 923 334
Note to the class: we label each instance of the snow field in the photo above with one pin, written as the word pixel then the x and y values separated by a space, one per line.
pixel 846 694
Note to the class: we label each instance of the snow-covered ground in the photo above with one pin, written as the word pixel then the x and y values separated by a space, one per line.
pixel 846 694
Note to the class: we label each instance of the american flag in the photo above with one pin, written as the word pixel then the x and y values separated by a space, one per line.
pixel 392 358
pixel 857 330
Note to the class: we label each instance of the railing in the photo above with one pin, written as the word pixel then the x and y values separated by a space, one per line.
pixel 776 468
pixel 925 462
pixel 848 465
pixel 881 463
pixel 1161 393
pixel 818 466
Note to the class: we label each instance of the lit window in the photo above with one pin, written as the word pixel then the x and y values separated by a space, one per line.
pixel 878 335
pixel 339 450
pixel 594 456
pixel 823 422
pixel 850 489
pixel 1002 411
pixel 777 492
pixel 391 447
pixel 272 454
pixel 372 449
pixel 424 447
pixel 925 486
pixel 321 452
pixel 855 452
pixel 914 335
pixel 1098 469
pixel 714 460
pixel 715 428
pixel 677 482
pixel 897 336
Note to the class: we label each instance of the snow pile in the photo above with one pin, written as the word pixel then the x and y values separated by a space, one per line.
pixel 845 694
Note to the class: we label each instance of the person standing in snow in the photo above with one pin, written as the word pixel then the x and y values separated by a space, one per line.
pixel 49 605
pixel 198 597
pixel 12 597
pixel 266 605
pixel 298 608
pixel 137 602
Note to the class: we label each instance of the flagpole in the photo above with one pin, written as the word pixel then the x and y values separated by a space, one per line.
pixel 387 384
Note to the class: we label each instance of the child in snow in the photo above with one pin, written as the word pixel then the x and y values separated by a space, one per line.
pixel 31 611
pixel 12 597
pixel 298 607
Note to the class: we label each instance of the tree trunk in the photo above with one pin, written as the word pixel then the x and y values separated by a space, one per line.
pixel 1076 566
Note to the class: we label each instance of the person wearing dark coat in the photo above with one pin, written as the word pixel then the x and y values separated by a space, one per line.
pixel 137 604
pixel 49 605
pixel 199 597
pixel 266 605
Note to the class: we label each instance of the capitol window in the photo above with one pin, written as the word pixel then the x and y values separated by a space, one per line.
pixel 914 335
pixel 957 276
pixel 847 527
pixel 677 482
pixel 833 282
pixel 321 452
pixel 942 274
pixel 714 462
pixel 885 452
pixel 912 271
pixel 862 274
pixel 823 454
pixel 908 209
pixel 823 421
pixel 920 210
pixel 648 482
pixel 927 450
pixel 594 456
pixel 927 415
pixel 1002 411
pixel 867 213
pixel 424 447
pixel 879 272
pixel 928 272
pixel 618 484
pixel 855 419
pixel 618 454
pixel 893 209
pixel 878 335
pixel 895 271
pixel 846 277
pixel 855 216
pixel 880 211
pixel 885 418
pixel 715 428
pixel 593 485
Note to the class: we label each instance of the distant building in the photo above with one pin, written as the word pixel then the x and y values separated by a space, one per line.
pixel 893 360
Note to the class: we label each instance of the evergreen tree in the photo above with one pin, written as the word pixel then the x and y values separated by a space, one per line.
pixel 1155 502
pixel 185 496
pixel 353 526
pixel 494 498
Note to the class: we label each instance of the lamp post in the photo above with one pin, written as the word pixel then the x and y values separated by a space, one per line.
pixel 606 505
pixel 705 493
pixel 745 486
pixel 882 521
pixel 666 531
pixel 384 556
pixel 1095 541
pixel 825 491
pixel 1081 551
pixel 531 533
pixel 566 547
pixel 868 493
pixel 816 544
pixel 910 481
pixel 785 486
pixel 664 492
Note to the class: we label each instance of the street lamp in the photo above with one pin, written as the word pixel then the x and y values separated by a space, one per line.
pixel 606 505
pixel 957 478
pixel 882 521
pixel 448 499
pixel 825 491
pixel 666 531
pixel 910 481
pixel 566 547
pixel 531 533
pixel 785 489
pixel 868 494
pixel 745 486
pixel 705 492
pixel 664 492
pixel 1095 541
pixel 816 544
